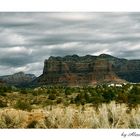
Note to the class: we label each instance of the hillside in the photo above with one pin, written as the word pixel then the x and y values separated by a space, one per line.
pixel 18 79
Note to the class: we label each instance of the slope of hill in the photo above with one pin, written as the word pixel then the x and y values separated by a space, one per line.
pixel 18 79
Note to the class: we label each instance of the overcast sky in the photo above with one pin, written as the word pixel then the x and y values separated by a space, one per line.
pixel 27 39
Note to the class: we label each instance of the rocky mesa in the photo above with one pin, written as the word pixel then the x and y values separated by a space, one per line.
pixel 88 70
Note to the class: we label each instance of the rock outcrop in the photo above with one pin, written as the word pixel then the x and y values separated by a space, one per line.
pixel 88 70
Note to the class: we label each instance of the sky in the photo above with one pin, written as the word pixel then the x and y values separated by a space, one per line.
pixel 27 39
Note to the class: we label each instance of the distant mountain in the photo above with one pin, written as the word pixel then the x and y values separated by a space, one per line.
pixel 88 70
pixel 18 79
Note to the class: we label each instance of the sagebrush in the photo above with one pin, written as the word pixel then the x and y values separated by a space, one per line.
pixel 110 115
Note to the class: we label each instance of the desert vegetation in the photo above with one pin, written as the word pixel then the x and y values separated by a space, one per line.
pixel 100 106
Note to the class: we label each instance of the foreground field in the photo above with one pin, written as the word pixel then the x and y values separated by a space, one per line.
pixel 101 106
pixel 110 115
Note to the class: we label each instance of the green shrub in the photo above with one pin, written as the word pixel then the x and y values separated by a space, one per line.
pixel 135 90
pixel 68 91
pixel 23 105
pixel 2 93
pixel 23 91
pixel 48 102
pixel 3 104
pixel 134 99
pixel 35 93
pixel 52 96
pixel 109 96
pixel 122 98
pixel 96 99
pixel 59 100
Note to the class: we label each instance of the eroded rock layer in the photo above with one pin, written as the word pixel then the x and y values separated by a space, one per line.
pixel 88 70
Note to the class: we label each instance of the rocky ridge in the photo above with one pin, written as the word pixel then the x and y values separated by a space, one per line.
pixel 18 79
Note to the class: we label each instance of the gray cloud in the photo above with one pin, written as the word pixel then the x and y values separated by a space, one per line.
pixel 26 39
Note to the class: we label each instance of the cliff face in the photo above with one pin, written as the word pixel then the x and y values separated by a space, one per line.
pixel 129 70
pixel 89 70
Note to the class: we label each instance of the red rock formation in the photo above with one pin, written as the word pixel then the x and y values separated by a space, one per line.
pixel 75 70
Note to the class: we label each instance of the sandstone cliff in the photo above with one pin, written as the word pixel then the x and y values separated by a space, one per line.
pixel 88 70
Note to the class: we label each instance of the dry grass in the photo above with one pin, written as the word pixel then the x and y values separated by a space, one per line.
pixel 105 116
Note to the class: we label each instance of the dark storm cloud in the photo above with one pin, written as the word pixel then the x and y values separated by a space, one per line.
pixel 26 39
